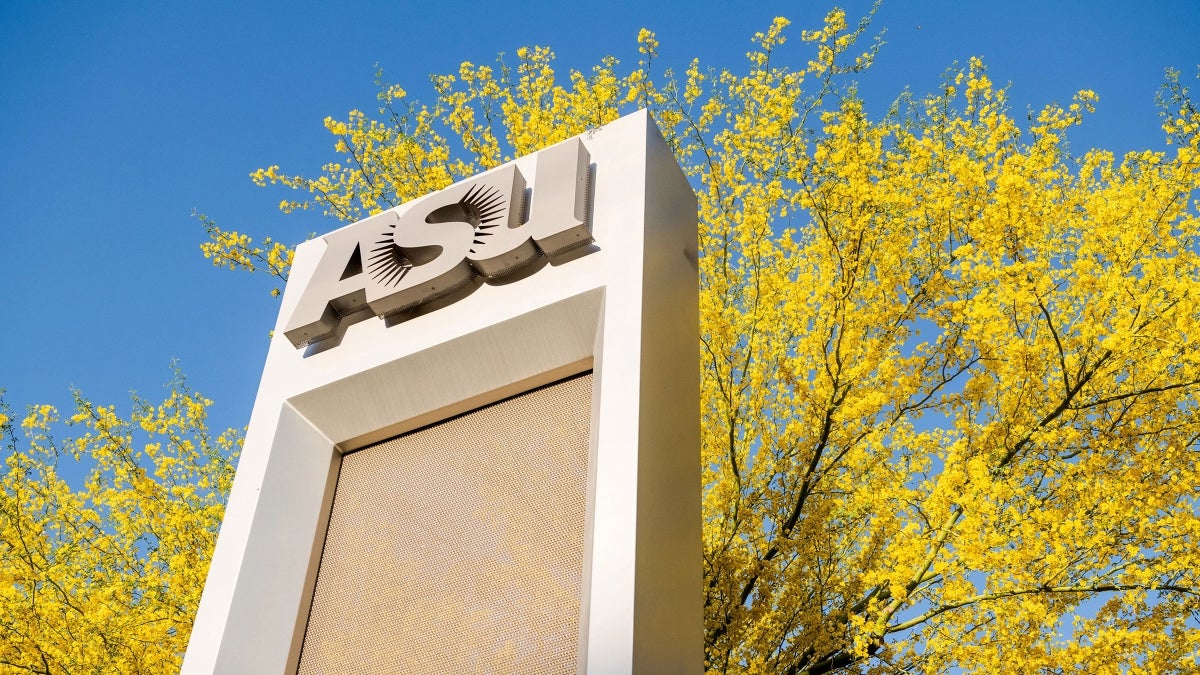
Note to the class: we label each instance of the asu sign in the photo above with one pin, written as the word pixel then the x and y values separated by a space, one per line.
pixel 506 482
pixel 412 254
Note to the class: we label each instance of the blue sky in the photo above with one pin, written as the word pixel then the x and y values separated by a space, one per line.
pixel 118 119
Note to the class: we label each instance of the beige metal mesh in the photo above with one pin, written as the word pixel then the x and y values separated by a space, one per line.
pixel 459 548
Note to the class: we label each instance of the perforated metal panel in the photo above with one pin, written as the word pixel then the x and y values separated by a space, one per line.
pixel 459 548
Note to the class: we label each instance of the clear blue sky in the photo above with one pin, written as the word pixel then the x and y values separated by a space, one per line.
pixel 118 118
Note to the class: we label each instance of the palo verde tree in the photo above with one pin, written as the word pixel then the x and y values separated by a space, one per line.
pixel 105 577
pixel 950 414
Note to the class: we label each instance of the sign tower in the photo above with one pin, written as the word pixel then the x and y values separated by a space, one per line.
pixel 475 445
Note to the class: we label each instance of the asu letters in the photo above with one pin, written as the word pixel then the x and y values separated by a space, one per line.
pixel 412 254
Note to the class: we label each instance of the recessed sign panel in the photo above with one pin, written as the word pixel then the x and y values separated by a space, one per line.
pixel 459 548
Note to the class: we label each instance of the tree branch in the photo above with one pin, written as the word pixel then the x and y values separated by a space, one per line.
pixel 1099 588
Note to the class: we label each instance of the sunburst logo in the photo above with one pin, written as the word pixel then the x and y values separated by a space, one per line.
pixel 483 207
